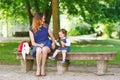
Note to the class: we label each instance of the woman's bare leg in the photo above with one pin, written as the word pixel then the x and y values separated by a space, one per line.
pixel 38 59
pixel 45 51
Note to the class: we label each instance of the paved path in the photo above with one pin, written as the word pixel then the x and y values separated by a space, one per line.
pixel 13 38
pixel 12 72
pixel 72 38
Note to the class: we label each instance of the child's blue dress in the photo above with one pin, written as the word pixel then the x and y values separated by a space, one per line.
pixel 67 48
pixel 41 37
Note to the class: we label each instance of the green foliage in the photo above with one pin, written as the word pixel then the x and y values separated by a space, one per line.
pixel 117 26
pixel 83 28
pixel 16 11
pixel 80 28
pixel 109 29
pixel 73 32
pixel 20 12
pixel 92 11
pixel 13 11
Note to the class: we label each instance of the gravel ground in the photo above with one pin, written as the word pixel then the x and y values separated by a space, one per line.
pixel 12 72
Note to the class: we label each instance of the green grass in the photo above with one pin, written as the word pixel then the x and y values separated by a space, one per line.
pixel 109 45
pixel 7 50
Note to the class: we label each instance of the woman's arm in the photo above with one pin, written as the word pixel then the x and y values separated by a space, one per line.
pixel 57 43
pixel 33 41
pixel 52 38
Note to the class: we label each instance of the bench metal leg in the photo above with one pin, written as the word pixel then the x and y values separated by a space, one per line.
pixel 101 67
pixel 62 68
pixel 26 65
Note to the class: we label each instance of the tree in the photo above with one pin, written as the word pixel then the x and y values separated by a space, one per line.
pixel 15 12
pixel 45 6
pixel 35 6
pixel 89 11
pixel 28 7
pixel 11 13
pixel 92 11
pixel 56 22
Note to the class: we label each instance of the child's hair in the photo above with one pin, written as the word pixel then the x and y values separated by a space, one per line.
pixel 63 31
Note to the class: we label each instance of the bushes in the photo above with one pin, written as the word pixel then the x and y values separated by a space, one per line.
pixel 73 32
pixel 81 29
pixel 109 29
pixel 118 29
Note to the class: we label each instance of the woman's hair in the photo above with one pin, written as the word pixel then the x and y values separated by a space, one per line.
pixel 36 21
pixel 64 32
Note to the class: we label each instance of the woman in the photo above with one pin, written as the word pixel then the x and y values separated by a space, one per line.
pixel 39 35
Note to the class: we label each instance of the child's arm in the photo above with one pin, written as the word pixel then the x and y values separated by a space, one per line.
pixel 68 43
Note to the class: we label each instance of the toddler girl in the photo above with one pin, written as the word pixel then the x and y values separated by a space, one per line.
pixel 64 46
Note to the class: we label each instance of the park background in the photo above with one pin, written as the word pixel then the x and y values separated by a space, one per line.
pixel 79 17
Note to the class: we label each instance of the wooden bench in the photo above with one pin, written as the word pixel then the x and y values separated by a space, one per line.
pixel 102 59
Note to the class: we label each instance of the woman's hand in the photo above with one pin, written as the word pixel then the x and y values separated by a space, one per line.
pixel 41 45
pixel 53 45
pixel 57 43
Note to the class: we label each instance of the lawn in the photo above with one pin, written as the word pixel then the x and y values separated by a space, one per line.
pixel 6 52
pixel 109 45
pixel 7 48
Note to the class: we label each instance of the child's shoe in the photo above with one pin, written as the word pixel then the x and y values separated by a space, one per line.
pixel 52 58
pixel 63 62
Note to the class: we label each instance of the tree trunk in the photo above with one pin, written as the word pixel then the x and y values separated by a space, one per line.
pixel 56 21
pixel 29 11
pixel 48 11
pixel 5 33
pixel 36 5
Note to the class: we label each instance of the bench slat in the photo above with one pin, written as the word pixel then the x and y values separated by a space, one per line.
pixel 78 56
pixel 91 53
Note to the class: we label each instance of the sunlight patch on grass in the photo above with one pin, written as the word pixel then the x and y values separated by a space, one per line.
pixel 97 45
pixel 2 45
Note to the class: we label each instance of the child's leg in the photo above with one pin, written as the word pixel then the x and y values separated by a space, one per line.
pixel 55 53
pixel 64 55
